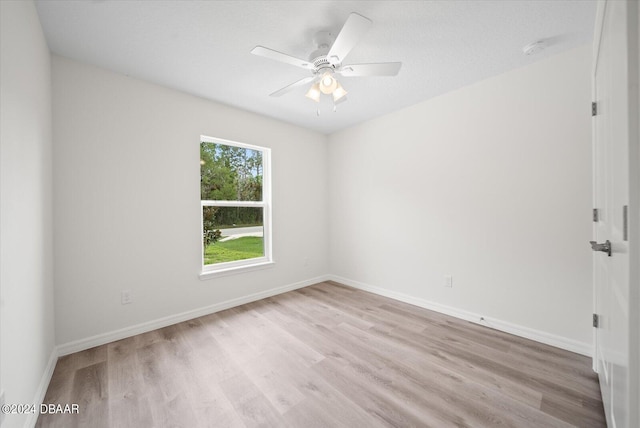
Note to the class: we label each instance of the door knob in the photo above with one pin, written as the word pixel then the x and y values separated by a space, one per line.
pixel 605 248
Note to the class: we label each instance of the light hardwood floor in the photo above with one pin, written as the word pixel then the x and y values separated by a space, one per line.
pixel 325 356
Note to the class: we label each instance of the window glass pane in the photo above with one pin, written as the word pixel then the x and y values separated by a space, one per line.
pixel 229 173
pixel 232 233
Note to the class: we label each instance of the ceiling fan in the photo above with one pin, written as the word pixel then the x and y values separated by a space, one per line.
pixel 327 61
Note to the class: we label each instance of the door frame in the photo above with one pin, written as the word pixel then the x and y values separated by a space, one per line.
pixel 633 21
pixel 597 37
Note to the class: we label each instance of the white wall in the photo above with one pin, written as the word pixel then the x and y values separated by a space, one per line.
pixel 491 184
pixel 127 200
pixel 26 278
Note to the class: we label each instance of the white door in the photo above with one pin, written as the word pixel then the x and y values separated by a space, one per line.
pixel 613 131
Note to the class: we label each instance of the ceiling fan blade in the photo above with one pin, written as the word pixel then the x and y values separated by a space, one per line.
pixel 353 30
pixel 279 56
pixel 292 86
pixel 369 70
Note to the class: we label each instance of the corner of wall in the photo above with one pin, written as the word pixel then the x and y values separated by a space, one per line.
pixel 27 352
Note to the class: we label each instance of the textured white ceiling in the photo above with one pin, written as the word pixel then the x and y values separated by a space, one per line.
pixel 202 47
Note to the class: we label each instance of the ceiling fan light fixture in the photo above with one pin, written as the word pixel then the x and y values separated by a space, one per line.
pixel 314 92
pixel 339 92
pixel 328 83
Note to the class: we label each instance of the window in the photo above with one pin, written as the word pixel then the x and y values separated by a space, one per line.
pixel 235 198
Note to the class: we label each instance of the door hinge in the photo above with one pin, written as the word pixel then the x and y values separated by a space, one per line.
pixel 594 108
pixel 596 320
pixel 596 216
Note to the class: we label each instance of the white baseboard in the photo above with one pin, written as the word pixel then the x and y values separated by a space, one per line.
pixel 518 330
pixel 38 398
pixel 101 339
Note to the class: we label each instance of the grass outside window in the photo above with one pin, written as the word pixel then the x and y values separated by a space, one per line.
pixel 247 247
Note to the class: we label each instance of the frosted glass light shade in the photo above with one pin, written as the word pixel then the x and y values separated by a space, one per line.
pixel 339 92
pixel 328 83
pixel 314 92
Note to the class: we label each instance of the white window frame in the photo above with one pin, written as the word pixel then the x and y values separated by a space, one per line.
pixel 227 268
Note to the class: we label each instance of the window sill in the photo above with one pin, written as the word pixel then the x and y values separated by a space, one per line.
pixel 205 275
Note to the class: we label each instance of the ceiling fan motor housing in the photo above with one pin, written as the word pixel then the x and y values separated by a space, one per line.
pixel 324 40
pixel 322 64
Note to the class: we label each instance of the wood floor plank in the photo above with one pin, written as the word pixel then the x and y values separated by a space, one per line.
pixel 325 356
pixel 549 386
pixel 202 366
pixel 338 408
pixel 251 405
pixel 128 396
pixel 481 404
pixel 267 374
pixel 162 365
pixel 472 338
pixel 90 392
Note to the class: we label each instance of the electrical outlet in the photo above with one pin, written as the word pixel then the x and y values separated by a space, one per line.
pixel 448 281
pixel 125 297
